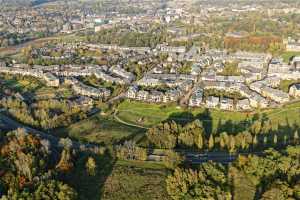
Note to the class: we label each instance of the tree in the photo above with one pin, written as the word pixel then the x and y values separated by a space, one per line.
pixel 211 142
pixel 275 139
pixel 208 182
pixel 65 163
pixel 91 166
pixel 296 137
pixel 231 144
pixel 54 190
pixel 254 141
pixel 172 159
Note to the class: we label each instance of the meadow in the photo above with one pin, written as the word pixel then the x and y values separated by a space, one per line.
pixel 146 114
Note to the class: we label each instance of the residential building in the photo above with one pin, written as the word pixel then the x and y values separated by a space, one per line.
pixel 243 104
pixel 212 102
pixel 196 98
pixel 226 104
pixel 294 90
pixel 51 80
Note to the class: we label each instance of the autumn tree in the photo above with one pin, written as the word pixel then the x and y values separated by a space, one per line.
pixel 91 166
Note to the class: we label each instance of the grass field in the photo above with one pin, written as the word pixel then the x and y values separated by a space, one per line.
pixel 51 92
pixel 118 180
pixel 288 55
pixel 100 129
pixel 151 114
pixel 135 183
pixel 148 114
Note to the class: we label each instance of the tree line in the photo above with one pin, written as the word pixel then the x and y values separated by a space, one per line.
pixel 259 135
pixel 46 114
pixel 272 176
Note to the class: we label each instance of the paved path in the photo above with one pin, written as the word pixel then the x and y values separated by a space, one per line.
pixel 126 123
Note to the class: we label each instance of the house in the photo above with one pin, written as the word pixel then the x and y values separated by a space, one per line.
pixel 132 92
pixel 196 69
pixel 170 49
pixel 212 102
pixel 196 98
pixel 155 96
pixel 295 90
pixel 276 95
pixel 84 101
pixel 257 86
pixel 257 100
pixel 142 95
pixel 148 81
pixel 296 62
pixel 219 66
pixel 278 68
pixel 89 91
pixel 51 80
pixel 226 104
pixel 293 46
pixel 273 81
pixel 252 64
pixel 243 104
pixel 172 95
pixel 117 70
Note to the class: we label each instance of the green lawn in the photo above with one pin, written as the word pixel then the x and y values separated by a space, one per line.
pixel 100 129
pixel 286 115
pixel 289 54
pixel 146 114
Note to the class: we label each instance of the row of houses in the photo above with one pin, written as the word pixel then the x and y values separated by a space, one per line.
pixel 85 90
pixel 224 103
pixel 113 74
pixel 170 80
pixel 154 96
pixel 219 78
pixel 50 79
pixel 117 48
pixel 54 81
pixel 255 100
pixel 264 88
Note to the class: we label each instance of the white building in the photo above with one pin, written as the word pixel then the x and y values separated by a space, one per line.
pixel 243 104
pixel 212 102
pixel 295 90
pixel 51 80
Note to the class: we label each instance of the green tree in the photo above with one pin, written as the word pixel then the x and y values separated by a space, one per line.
pixel 91 166
pixel 211 142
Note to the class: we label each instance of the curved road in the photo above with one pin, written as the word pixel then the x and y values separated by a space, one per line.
pixel 126 123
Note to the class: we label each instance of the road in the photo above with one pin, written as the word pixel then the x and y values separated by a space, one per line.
pixel 126 123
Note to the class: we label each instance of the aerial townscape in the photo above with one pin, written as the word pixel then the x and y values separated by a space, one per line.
pixel 149 99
